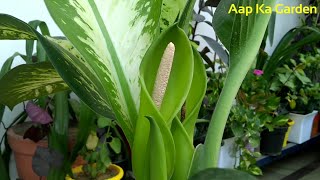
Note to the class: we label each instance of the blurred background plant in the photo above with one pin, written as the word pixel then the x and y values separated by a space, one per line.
pixel 298 85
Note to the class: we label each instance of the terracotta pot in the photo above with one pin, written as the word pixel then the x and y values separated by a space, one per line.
pixel 24 150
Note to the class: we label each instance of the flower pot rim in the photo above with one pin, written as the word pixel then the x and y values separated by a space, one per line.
pixel 297 114
pixel 78 169
pixel 13 134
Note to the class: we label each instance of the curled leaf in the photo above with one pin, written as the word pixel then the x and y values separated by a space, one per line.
pixel 37 114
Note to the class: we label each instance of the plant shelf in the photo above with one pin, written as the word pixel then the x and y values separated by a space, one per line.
pixel 291 148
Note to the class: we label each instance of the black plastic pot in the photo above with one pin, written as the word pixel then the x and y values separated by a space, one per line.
pixel 271 142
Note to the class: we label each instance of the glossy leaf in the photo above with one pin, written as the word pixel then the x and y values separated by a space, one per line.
pixel 29 81
pixel 158 170
pixel 196 159
pixel 180 76
pixel 195 95
pixel 175 95
pixel 184 150
pixel 112 49
pixel 115 58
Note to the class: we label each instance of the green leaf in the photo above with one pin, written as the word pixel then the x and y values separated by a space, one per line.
pixel 196 160
pixel 215 173
pixel 302 77
pixel 30 81
pixel 195 95
pixel 72 66
pixel 86 124
pixel 112 49
pixel 116 145
pixel 255 170
pixel 184 151
pixel 170 10
pixel 237 129
pixel 104 122
pixel 176 92
pixel 254 140
pixel 186 16
pixel 58 137
pixel 12 29
pixel 41 56
pixel 271 27
pixel 158 170
pixel 104 156
pixel 8 63
pixel 181 73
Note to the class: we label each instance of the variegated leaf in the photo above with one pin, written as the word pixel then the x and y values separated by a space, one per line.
pixel 113 48
pixel 84 83
pixel 30 81
pixel 171 9
pixel 12 29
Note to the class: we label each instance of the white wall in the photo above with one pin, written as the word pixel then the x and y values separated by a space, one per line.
pixel 285 22
pixel 27 11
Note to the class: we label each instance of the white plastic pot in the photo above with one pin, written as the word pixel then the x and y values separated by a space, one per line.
pixel 229 158
pixel 301 130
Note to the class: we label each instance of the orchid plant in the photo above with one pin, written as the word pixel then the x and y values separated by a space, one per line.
pixel 144 70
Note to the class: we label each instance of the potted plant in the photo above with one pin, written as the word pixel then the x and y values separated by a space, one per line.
pixel 299 95
pixel 96 153
pixel 26 137
pixel 256 95
pixel 98 71
pixel 255 106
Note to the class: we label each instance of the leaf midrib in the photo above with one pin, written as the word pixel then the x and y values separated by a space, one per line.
pixel 132 109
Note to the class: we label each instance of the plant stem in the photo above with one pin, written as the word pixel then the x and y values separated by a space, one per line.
pixel 219 118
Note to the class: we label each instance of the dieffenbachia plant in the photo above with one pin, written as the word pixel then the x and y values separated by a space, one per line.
pixel 117 66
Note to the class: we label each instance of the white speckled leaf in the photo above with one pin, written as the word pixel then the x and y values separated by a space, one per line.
pixel 30 81
pixel 170 10
pixel 112 36
pixel 14 29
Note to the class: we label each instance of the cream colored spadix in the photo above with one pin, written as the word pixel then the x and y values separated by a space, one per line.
pixel 163 75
